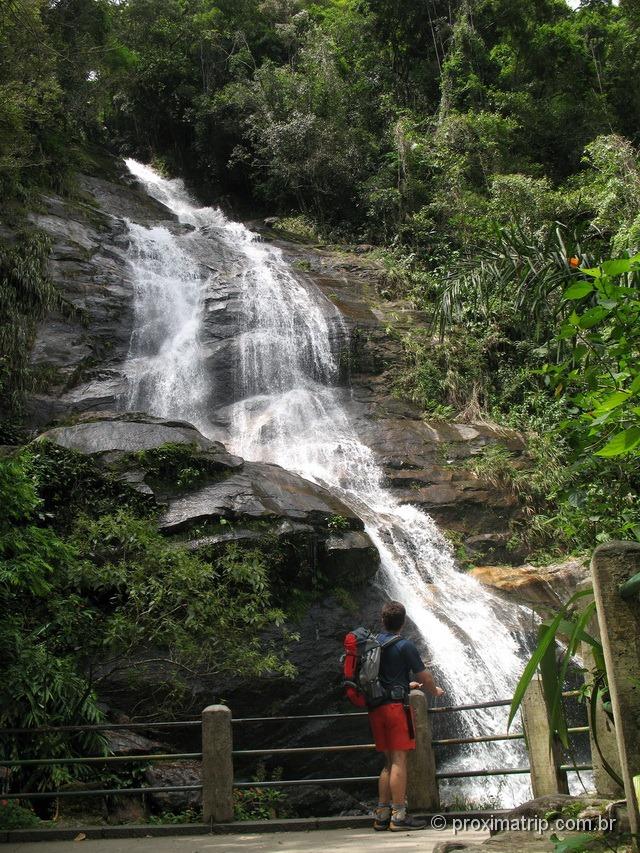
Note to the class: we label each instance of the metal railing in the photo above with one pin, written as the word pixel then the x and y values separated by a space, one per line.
pixel 248 753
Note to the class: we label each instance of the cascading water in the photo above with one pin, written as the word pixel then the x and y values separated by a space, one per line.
pixel 289 410
pixel 164 363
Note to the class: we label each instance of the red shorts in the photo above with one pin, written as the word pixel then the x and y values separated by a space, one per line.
pixel 390 727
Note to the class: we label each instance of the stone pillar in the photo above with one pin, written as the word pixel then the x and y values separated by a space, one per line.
pixel 606 735
pixel 217 765
pixel 544 753
pixel 612 565
pixel 422 785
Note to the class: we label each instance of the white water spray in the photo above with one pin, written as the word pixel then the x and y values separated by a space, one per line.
pixel 289 411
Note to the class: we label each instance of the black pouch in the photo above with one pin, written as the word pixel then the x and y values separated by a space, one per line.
pixel 398 694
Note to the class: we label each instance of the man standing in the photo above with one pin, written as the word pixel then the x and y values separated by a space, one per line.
pixel 392 723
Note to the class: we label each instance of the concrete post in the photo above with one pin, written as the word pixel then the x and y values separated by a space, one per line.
pixel 619 620
pixel 544 754
pixel 606 735
pixel 217 765
pixel 422 785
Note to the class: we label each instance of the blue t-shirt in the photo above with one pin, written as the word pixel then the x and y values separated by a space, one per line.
pixel 398 662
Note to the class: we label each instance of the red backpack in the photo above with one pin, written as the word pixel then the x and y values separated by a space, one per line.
pixel 361 668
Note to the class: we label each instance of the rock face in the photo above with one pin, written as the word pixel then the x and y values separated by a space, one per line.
pixel 89 265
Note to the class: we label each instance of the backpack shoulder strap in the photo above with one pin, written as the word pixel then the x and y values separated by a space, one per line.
pixel 390 642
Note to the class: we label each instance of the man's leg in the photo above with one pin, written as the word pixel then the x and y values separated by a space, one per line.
pixel 400 820
pixel 383 812
pixel 398 776
pixel 384 785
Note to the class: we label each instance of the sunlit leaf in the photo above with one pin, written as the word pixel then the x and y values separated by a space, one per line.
pixel 613 401
pixel 623 442
pixel 578 290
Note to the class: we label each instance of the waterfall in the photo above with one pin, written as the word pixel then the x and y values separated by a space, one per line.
pixel 289 409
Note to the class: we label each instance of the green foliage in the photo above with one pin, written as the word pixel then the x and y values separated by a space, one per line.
pixel 338 522
pixel 260 803
pixel 602 369
pixel 52 58
pixel 15 816
pixel 187 816
pixel 177 466
pixel 70 483
pixel 92 580
pixel 26 296
pixel 573 844
pixel 40 683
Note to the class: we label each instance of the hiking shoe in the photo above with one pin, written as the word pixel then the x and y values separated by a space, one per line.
pixel 379 824
pixel 408 822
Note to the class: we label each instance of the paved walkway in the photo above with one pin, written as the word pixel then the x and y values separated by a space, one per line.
pixel 318 841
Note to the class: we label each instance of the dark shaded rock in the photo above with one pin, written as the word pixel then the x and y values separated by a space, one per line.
pixel 347 553
pixel 167 773
pixel 492 546
pixel 126 742
pixel 126 809
pixel 318 801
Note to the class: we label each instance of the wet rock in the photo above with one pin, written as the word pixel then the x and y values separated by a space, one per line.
pixel 259 491
pixel 347 553
pixel 118 433
pixel 89 265
pixel 535 585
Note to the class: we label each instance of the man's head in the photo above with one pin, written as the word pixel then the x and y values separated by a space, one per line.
pixel 393 615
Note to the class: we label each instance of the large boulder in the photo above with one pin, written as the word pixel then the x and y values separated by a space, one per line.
pixel 227 499
pixel 260 491
pixel 107 432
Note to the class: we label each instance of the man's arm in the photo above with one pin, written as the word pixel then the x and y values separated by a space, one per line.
pixel 426 681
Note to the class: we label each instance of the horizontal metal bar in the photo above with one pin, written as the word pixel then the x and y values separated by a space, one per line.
pixel 290 783
pixel 102 727
pixel 99 759
pixel 571 767
pixel 486 739
pixel 489 738
pixel 467 774
pixel 343 715
pixel 496 703
pixel 301 750
pixel 104 792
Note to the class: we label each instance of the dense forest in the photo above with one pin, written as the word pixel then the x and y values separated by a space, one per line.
pixel 484 152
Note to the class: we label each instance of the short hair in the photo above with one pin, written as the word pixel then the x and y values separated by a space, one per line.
pixel 393 615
